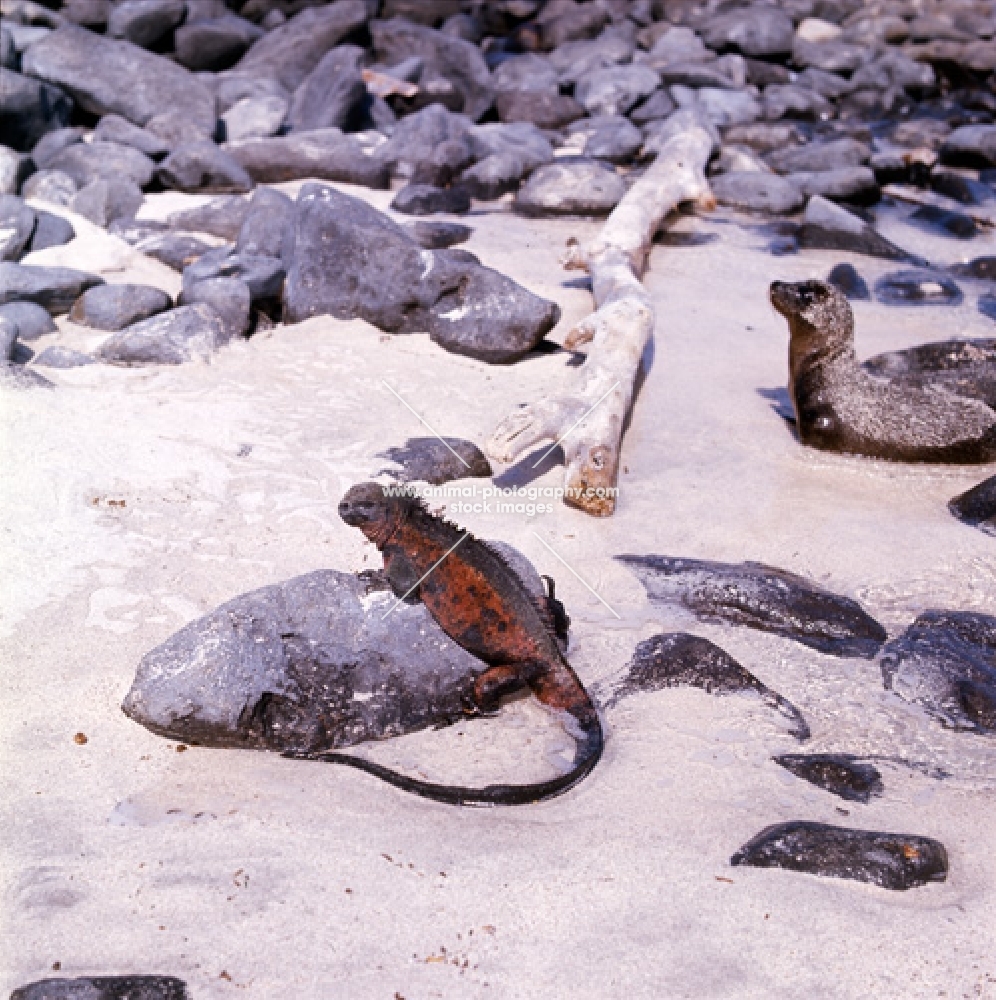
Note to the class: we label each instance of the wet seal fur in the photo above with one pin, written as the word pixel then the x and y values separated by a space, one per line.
pixel 840 407
pixel 481 603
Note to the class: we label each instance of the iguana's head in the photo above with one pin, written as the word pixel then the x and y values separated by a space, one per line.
pixel 366 506
pixel 818 314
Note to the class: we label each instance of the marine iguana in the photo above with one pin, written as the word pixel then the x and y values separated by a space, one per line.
pixel 481 603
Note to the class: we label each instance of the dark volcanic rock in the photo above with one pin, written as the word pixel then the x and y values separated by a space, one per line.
pixel 230 298
pixel 609 137
pixel 437 460
pixel 977 506
pixel 677 659
pixel 334 94
pixel 29 108
pixel 93 161
pixel 113 307
pixel 312 663
pixel 62 357
pixel 943 222
pixel 757 192
pixel 202 166
pixel 854 184
pixel 348 260
pixel 965 367
pixel 222 217
pixel 327 154
pixel 980 268
pixel 170 338
pixel 571 186
pixel 176 129
pixel 55 288
pixel 455 60
pixel 144 22
pixel 419 136
pixel 216 43
pixel 114 128
pixel 846 278
pixel 106 200
pixel 945 662
pixel 264 275
pixel 839 773
pixel 615 90
pixel 51 231
pixel 105 988
pixel 262 231
pixel 889 860
pixel 917 287
pixel 175 250
pixel 820 156
pixel 439 235
pixel 52 186
pixel 424 199
pixel 32 320
pixel 827 226
pixel 505 154
pixel 761 597
pixel 753 30
pixel 55 142
pixel 254 118
pixel 970 146
pixel 289 53
pixel 106 76
pixel 544 110
pixel 17 223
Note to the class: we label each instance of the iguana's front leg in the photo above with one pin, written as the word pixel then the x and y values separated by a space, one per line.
pixel 402 575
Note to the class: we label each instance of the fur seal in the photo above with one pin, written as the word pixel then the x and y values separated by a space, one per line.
pixel 840 407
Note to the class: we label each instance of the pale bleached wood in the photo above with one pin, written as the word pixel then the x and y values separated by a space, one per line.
pixel 587 419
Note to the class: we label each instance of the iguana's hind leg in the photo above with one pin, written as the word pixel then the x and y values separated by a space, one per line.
pixel 496 682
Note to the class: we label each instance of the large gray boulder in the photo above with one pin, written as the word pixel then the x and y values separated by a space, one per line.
pixel 289 53
pixel 53 288
pixel 445 56
pixel 346 259
pixel 170 338
pixel 105 76
pixel 317 662
pixel 325 153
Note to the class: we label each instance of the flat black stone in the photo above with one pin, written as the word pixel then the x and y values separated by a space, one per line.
pixel 917 287
pixel 439 235
pixel 945 662
pixel 842 774
pixel 977 506
pixel 437 460
pixel 677 659
pixel 944 223
pixel 105 988
pixel 424 199
pixel 889 860
pixel 761 597
pixel 846 278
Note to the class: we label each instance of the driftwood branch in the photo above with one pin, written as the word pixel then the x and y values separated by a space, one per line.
pixel 587 419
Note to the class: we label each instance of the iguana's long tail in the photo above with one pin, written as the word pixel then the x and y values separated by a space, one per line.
pixel 589 744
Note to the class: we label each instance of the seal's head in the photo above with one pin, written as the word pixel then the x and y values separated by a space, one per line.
pixel 813 306
pixel 366 506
